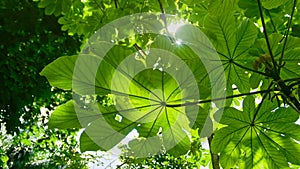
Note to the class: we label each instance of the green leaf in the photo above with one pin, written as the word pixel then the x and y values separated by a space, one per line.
pixel 181 147
pixel 59 73
pixel 250 7
pixel 4 159
pixel 150 93
pixel 290 59
pixel 141 147
pixel 44 3
pixel 255 80
pixel 87 144
pixel 270 4
pixel 262 130
pixel 198 118
pixel 291 69
pixel 296 30
pixel 232 41
pixel 65 116
pixel 55 7
pixel 100 135
pixel 218 7
pixel 204 62
pixel 231 155
pixel 199 10
pixel 148 98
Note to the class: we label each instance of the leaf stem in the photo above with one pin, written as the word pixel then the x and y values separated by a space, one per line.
pixel 252 70
pixel 267 40
pixel 217 99
pixel 287 35
pixel 276 75
pixel 259 105
pixel 214 157
pixel 271 20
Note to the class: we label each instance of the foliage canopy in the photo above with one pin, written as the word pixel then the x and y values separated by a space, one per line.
pixel 257 42
pixel 29 41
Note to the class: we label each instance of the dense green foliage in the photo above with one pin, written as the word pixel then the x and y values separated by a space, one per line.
pixel 29 41
pixel 258 46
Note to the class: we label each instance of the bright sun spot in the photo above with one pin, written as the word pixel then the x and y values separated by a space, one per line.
pixel 173 27
pixel 178 41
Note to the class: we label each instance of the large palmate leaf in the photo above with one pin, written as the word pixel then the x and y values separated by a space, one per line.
pixel 263 136
pixel 197 52
pixel 151 95
pixel 232 39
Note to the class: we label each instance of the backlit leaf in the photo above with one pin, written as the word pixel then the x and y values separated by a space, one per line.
pixel 257 131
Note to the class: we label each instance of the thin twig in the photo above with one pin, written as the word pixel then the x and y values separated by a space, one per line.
pixel 260 104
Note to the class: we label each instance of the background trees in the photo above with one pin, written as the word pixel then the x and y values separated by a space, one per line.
pixel 29 41
pixel 258 46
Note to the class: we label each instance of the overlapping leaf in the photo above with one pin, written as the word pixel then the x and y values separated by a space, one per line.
pixel 251 7
pixel 263 136
pixel 148 97
pixel 149 100
pixel 232 38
